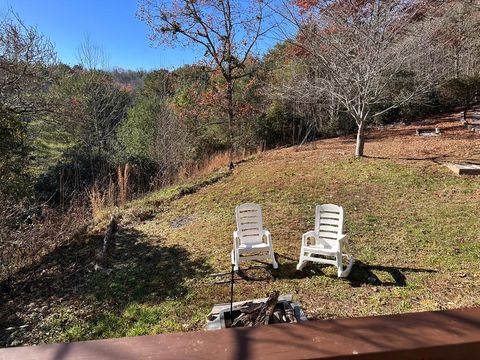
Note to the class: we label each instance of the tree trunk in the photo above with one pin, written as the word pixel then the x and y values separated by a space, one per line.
pixel 108 244
pixel 360 139
pixel 230 119
pixel 457 63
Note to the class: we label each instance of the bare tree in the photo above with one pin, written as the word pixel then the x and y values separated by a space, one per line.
pixel 171 146
pixel 458 29
pixel 90 55
pixel 92 106
pixel 363 54
pixel 227 30
pixel 25 56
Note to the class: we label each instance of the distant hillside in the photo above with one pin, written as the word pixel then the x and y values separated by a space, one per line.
pixel 129 77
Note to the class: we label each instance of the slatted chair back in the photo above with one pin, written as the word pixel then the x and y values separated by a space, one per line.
pixel 328 221
pixel 249 223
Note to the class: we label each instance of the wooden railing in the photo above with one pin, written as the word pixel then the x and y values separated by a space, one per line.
pixel 450 334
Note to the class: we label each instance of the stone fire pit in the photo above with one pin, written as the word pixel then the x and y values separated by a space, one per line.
pixel 285 308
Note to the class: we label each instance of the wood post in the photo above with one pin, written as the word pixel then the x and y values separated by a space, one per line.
pixel 108 243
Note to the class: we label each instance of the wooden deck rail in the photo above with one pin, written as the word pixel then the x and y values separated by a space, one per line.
pixel 451 334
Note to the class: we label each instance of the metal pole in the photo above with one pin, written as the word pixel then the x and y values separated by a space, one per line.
pixel 231 290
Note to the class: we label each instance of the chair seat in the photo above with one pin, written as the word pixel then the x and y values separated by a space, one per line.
pixel 253 247
pixel 319 249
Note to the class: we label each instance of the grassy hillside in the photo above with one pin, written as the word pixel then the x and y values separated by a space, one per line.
pixel 413 226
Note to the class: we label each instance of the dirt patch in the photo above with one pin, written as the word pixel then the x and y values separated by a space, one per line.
pixel 180 221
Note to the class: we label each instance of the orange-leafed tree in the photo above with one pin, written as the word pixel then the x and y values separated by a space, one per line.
pixel 200 104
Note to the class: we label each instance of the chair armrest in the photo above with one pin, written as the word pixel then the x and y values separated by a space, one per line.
pixel 343 238
pixel 307 235
pixel 235 238
pixel 267 234
pixel 343 243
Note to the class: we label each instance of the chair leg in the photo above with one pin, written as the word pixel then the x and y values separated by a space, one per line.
pixel 235 260
pixel 272 256
pixel 338 257
pixel 346 272
pixel 301 262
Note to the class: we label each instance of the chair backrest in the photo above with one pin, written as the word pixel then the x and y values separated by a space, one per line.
pixel 329 221
pixel 249 223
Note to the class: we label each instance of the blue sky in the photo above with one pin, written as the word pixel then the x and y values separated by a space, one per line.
pixel 110 24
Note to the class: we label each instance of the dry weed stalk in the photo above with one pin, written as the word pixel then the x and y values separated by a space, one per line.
pixel 123 176
pixel 214 163
pixel 96 201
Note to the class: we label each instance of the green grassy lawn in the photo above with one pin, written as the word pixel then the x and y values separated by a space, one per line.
pixel 413 225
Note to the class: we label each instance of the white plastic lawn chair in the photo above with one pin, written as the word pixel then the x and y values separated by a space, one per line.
pixel 329 241
pixel 251 241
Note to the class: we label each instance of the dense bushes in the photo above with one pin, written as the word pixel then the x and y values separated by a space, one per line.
pixel 29 231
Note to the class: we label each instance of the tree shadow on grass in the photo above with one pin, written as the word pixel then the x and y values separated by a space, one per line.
pixel 255 273
pixel 138 272
pixel 435 159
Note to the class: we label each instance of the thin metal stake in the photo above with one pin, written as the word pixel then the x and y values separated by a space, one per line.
pixel 231 291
